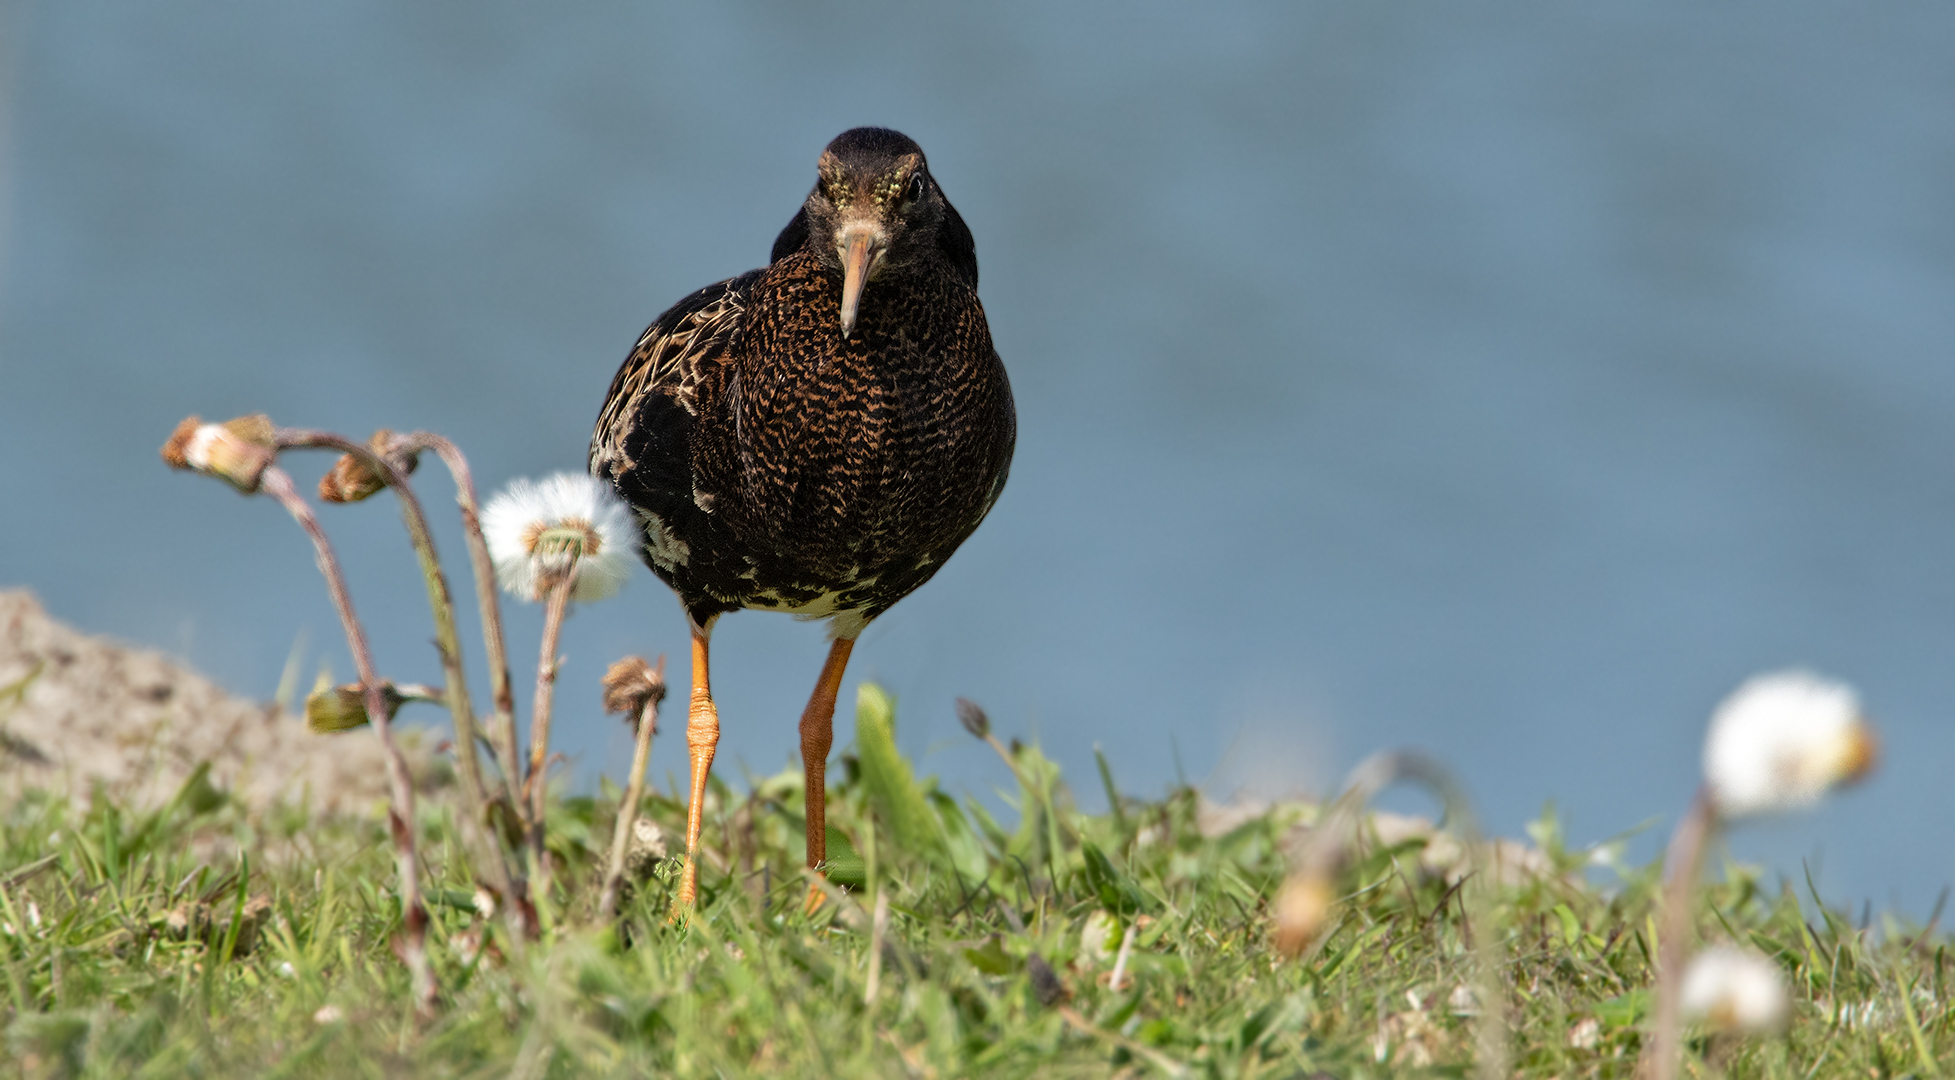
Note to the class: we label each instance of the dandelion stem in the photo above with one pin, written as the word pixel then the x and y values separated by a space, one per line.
pixel 1337 833
pixel 539 725
pixel 447 642
pixel 503 738
pixel 1119 980
pixel 1685 857
pixel 414 917
pixel 641 751
pixel 878 927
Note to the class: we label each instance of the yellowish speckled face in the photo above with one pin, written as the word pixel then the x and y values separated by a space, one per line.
pixel 874 207
pixel 896 189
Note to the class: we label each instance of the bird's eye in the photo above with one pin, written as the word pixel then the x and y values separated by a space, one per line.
pixel 916 187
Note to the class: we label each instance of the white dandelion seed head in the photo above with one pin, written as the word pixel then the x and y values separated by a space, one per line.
pixel 1735 990
pixel 1782 740
pixel 539 530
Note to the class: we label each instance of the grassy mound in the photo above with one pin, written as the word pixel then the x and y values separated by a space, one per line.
pixel 211 938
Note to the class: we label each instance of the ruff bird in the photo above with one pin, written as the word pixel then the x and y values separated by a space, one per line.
pixel 816 436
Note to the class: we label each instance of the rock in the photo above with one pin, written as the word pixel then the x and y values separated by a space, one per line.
pixel 78 711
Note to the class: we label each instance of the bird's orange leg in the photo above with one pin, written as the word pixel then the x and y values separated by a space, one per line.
pixel 817 736
pixel 702 737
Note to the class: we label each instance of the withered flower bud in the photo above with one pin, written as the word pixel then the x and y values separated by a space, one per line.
pixel 645 848
pixel 351 480
pixel 973 718
pixel 1302 909
pixel 1045 981
pixel 237 451
pixel 631 684
pixel 343 708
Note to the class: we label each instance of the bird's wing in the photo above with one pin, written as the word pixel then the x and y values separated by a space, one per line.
pixel 665 369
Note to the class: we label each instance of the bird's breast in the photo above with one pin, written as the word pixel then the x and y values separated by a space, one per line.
pixel 882 445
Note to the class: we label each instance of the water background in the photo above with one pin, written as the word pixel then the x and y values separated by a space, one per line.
pixel 1510 380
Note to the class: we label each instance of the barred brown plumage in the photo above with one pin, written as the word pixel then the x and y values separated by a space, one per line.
pixel 819 435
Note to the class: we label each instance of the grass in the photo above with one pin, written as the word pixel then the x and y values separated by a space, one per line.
pixel 201 940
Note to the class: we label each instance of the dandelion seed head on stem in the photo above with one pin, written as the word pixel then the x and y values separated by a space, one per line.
pixel 1735 990
pixel 567 524
pixel 1783 740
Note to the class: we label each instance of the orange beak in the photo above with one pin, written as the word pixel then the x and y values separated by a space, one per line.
pixel 859 249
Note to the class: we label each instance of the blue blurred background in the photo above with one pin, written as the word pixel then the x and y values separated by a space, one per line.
pixel 1511 380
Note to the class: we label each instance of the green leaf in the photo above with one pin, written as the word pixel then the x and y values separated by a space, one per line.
pixel 198 795
pixel 1627 1010
pixel 844 866
pixel 891 785
pixel 990 958
pixel 966 851
pixel 1116 893
pixel 1571 927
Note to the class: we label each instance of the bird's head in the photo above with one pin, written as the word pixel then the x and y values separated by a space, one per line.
pixel 874 209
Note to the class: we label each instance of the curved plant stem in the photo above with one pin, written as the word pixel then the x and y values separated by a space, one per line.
pixel 539 725
pixel 414 917
pixel 1338 834
pixel 641 751
pixel 1685 858
pixel 447 642
pixel 503 738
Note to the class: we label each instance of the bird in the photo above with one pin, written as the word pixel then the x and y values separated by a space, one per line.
pixel 816 436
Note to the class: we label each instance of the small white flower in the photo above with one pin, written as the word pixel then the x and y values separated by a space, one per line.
pixel 328 1014
pixel 1735 990
pixel 1096 937
pixel 538 531
pixel 1781 741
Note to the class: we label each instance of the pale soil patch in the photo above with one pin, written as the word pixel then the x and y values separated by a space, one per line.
pixel 79 711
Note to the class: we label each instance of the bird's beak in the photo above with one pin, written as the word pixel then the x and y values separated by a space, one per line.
pixel 859 249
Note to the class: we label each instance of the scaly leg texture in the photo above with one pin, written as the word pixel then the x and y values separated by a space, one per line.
pixel 702 737
pixel 817 736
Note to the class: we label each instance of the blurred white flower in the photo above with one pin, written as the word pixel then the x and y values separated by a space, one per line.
pixel 1099 936
pixel 568 523
pixel 1782 740
pixel 1735 990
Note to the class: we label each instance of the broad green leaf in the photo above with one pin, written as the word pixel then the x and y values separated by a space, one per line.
pixel 892 787
pixel 844 866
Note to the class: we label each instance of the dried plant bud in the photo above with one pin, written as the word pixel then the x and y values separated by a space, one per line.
pixel 1303 909
pixel 352 480
pixel 236 451
pixel 973 718
pixel 643 850
pixel 1045 981
pixel 343 708
pixel 631 683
